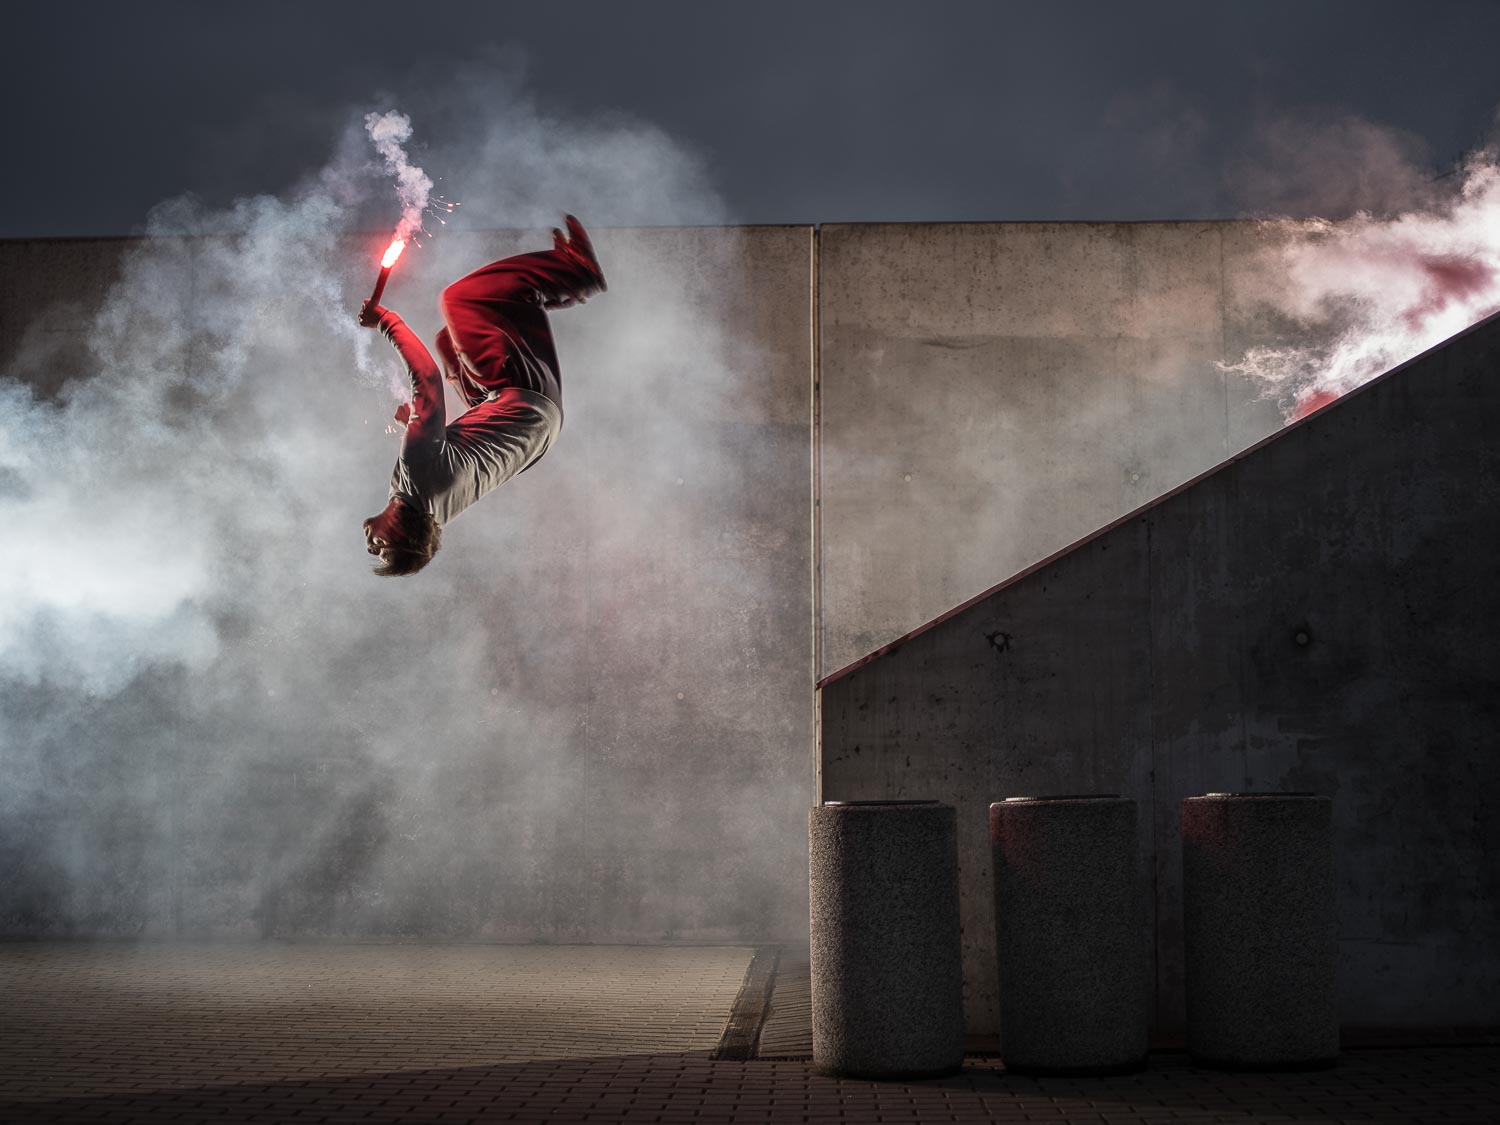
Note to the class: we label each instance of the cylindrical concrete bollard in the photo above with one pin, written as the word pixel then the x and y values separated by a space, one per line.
pixel 1070 936
pixel 1260 932
pixel 887 983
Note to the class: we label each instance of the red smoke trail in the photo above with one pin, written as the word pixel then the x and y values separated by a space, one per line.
pixel 1374 292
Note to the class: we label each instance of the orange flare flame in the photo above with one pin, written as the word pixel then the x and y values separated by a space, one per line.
pixel 392 252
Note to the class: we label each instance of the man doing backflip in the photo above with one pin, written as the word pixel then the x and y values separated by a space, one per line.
pixel 497 351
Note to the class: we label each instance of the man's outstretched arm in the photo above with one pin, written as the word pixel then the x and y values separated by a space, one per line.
pixel 428 416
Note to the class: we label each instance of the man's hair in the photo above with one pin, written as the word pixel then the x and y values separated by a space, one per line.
pixel 421 537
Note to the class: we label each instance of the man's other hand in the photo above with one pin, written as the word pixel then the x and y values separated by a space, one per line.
pixel 403 414
pixel 369 315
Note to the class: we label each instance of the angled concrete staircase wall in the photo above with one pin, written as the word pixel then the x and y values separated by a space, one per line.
pixel 1320 613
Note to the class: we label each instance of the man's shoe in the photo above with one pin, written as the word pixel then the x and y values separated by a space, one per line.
pixel 578 247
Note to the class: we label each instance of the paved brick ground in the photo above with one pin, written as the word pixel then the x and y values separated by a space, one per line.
pixel 102 1017
pixel 553 1034
pixel 1394 1087
pixel 787 1031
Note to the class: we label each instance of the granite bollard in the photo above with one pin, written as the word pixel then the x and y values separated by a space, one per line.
pixel 1260 933
pixel 887 981
pixel 1074 962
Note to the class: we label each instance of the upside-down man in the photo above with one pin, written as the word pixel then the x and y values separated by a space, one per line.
pixel 497 351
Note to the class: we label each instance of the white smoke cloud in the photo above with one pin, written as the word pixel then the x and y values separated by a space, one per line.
pixel 215 720
pixel 1335 165
pixel 389 132
pixel 1368 292
pixel 526 161
pixel 109 582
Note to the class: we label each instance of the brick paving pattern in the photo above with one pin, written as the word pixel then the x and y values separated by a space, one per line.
pixel 554 1034
pixel 1390 1087
pixel 99 1017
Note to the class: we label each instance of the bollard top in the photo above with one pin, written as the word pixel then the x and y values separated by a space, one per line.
pixel 1241 796
pixel 1065 797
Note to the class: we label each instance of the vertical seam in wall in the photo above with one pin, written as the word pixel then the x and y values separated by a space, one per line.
pixel 816 577
pixel 1224 335
pixel 1234 531
pixel 1156 847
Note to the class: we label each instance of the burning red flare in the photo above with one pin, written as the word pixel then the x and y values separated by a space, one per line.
pixel 392 252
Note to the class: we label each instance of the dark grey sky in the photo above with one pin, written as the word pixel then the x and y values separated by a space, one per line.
pixel 803 112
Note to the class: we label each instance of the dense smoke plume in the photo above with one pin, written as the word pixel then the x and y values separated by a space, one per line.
pixel 389 132
pixel 214 720
pixel 1371 290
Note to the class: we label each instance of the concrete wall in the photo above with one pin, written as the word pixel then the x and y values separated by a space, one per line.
pixel 49 292
pixel 618 688
pixel 643 766
pixel 1162 659
pixel 991 392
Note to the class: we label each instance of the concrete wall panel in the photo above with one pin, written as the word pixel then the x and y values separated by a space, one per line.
pixel 993 392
